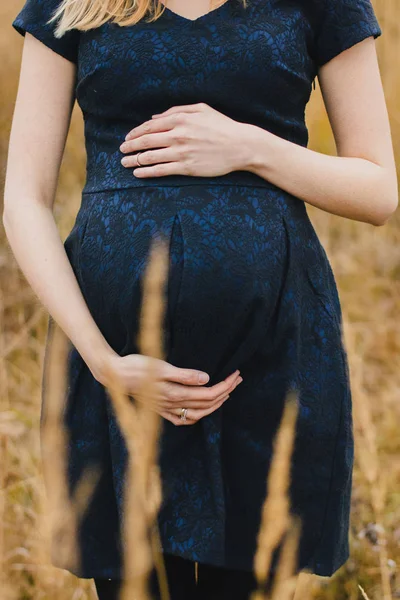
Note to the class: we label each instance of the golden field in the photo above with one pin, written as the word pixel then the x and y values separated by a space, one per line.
pixel 366 263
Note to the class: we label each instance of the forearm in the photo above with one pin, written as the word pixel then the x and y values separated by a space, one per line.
pixel 36 244
pixel 346 186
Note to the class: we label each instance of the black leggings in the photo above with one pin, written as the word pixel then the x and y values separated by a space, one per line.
pixel 214 583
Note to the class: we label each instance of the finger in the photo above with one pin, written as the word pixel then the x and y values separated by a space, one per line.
pixel 174 417
pixel 161 170
pixel 183 108
pixel 201 393
pixel 150 157
pixel 194 415
pixel 171 417
pixel 171 373
pixel 163 123
pixel 191 416
pixel 207 411
pixel 208 396
pixel 205 404
pixel 146 141
pixel 234 385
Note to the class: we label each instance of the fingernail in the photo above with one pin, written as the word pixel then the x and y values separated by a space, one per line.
pixel 203 378
pixel 240 380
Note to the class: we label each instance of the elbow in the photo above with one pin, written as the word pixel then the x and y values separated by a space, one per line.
pixel 389 202
pixel 384 216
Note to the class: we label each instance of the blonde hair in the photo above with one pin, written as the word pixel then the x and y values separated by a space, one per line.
pixel 88 14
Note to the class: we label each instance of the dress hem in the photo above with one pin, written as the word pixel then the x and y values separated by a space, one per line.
pixel 311 568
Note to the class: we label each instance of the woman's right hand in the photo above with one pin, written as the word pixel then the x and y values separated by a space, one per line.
pixel 175 387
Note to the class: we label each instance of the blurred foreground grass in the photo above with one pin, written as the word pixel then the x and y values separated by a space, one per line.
pixel 366 262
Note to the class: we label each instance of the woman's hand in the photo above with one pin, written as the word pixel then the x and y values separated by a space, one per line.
pixel 175 387
pixel 194 139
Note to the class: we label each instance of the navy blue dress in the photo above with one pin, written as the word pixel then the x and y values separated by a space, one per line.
pixel 250 285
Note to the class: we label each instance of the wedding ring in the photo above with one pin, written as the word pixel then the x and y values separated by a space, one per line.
pixel 137 158
pixel 183 414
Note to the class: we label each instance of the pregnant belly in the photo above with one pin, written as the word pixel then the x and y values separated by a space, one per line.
pixel 227 262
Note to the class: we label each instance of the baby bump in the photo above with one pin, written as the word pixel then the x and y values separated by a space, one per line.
pixel 227 256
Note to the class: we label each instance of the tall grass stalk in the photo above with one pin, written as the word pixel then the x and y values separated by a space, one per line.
pixel 364 595
pixel 285 580
pixel 140 425
pixel 64 511
pixel 275 517
pixel 61 513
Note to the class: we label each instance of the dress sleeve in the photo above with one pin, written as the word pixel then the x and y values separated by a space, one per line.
pixel 344 23
pixel 33 19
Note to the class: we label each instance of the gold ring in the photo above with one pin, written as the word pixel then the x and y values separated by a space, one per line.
pixel 137 158
pixel 183 414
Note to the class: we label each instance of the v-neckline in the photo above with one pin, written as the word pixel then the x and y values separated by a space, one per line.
pixel 197 19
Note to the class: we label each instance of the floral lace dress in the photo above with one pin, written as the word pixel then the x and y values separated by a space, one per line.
pixel 250 285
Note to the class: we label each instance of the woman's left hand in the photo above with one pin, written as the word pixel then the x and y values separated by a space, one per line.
pixel 194 140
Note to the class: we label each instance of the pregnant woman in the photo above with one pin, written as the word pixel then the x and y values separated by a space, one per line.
pixel 194 129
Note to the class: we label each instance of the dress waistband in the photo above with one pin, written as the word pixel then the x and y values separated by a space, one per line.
pixel 107 174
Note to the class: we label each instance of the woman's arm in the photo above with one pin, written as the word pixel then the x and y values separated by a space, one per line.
pixel 361 182
pixel 39 129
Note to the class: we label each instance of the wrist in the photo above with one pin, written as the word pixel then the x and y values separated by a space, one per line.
pixel 101 363
pixel 255 148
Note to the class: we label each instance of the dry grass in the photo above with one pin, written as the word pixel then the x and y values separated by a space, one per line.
pixel 275 519
pixel 141 428
pixel 277 523
pixel 61 513
pixel 366 263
